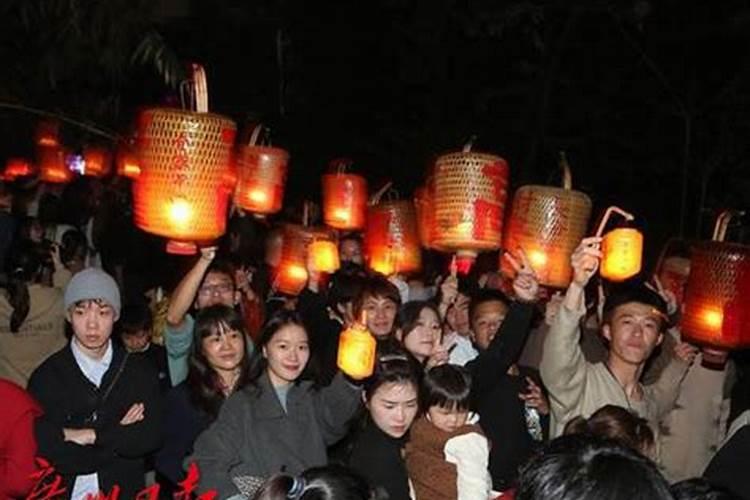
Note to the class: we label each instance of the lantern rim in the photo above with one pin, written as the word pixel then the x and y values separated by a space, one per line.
pixel 188 114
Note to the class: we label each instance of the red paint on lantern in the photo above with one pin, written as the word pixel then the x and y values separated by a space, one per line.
pixel 344 201
pixel 262 175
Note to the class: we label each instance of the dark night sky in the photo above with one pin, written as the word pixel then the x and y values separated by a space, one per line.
pixel 392 84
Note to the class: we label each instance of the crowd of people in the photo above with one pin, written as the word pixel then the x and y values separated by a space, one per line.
pixel 122 368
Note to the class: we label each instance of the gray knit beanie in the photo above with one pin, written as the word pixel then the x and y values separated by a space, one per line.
pixel 93 284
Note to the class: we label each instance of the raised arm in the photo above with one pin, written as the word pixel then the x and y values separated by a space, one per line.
pixel 184 293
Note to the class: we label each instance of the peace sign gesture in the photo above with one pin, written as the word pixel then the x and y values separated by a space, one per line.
pixel 525 284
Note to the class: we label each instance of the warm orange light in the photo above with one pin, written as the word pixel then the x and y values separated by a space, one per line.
pixel 261 177
pixel 291 278
pixel 341 215
pixel 17 167
pixel 385 265
pixel 180 212
pixel 131 170
pixel 713 318
pixel 344 201
pixel 622 249
pixel 258 196
pixel 48 133
pixel 52 167
pixel 537 258
pixel 96 161
pixel 325 256
pixel 356 355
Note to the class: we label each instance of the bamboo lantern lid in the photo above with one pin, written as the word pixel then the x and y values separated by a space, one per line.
pixel 717 296
pixel 470 195
pixel 548 223
pixel 184 159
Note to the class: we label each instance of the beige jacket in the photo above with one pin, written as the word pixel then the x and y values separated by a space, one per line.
pixel 578 387
pixel 41 334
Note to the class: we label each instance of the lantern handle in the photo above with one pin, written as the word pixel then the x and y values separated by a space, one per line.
pixel 201 88
pixel 567 175
pixel 375 198
pixel 469 143
pixel 255 134
pixel 608 213
pixel 722 223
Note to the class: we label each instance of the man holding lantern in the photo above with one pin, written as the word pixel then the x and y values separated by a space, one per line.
pixel 635 319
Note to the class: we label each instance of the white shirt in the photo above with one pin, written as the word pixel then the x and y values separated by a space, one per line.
pixel 94 369
pixel 464 350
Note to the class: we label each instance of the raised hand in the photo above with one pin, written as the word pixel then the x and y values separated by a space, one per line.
pixel 208 253
pixel 534 397
pixel 585 260
pixel 525 284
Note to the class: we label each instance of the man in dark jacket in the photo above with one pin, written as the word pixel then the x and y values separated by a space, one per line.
pixel 102 413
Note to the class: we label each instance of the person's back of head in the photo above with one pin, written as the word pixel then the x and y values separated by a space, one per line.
pixel 332 482
pixel 23 266
pixel 618 424
pixel 699 489
pixel 580 467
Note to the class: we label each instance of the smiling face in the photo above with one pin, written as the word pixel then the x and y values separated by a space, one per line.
pixel 381 313
pixel 393 407
pixel 486 321
pixel 421 340
pixel 287 354
pixel 633 332
pixel 224 349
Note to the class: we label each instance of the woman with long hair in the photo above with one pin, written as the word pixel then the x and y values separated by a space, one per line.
pixel 420 332
pixel 218 366
pixel 278 422
pixel 32 316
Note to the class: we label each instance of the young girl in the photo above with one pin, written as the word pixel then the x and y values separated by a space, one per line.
pixel 391 397
pixel 420 332
pixel 277 423
pixel 447 454
pixel 218 366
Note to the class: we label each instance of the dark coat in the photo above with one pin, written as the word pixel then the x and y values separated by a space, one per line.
pixel 254 438
pixel 70 400
pixel 378 458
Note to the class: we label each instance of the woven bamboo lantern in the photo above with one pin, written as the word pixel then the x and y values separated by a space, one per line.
pixel 622 249
pixel 470 195
pixel 391 239
pixel 261 175
pixel 52 166
pixel 548 223
pixel 184 159
pixel 47 133
pixel 424 206
pixel 17 167
pixel 717 296
pixel 97 161
pixel 356 354
pixel 344 200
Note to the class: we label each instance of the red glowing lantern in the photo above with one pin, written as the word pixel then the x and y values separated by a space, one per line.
pixel 47 133
pixel 548 223
pixel 717 296
pixel 184 158
pixel 323 251
pixel 17 167
pixel 291 273
pixel 391 238
pixel 97 161
pixel 127 162
pixel 261 172
pixel 470 195
pixel 52 166
pixel 344 200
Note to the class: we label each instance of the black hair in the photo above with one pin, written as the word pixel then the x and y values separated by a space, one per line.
pixel 447 386
pixel 408 315
pixel 280 319
pixel 615 423
pixel 579 467
pixel 134 317
pixel 376 286
pixel 23 267
pixel 699 489
pixel 73 243
pixel 221 266
pixel 634 291
pixel 394 365
pixel 203 382
pixel 486 295
pixel 346 284
pixel 332 482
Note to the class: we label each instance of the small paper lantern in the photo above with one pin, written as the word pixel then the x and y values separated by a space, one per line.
pixel 356 354
pixel 127 162
pixel 324 256
pixel 548 223
pixel 47 133
pixel 184 159
pixel 97 161
pixel 470 195
pixel 717 296
pixel 261 175
pixel 344 200
pixel 291 273
pixel 391 239
pixel 622 251
pixel 52 166
pixel 17 167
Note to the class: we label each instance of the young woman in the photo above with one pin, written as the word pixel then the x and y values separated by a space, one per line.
pixel 32 316
pixel 391 397
pixel 277 423
pixel 420 332
pixel 218 367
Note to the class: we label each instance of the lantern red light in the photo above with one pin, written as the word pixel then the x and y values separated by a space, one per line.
pixel 391 238
pixel 291 273
pixel 97 161
pixel 47 133
pixel 344 200
pixel 127 163
pixel 261 177
pixel 324 255
pixel 17 167
pixel 52 166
